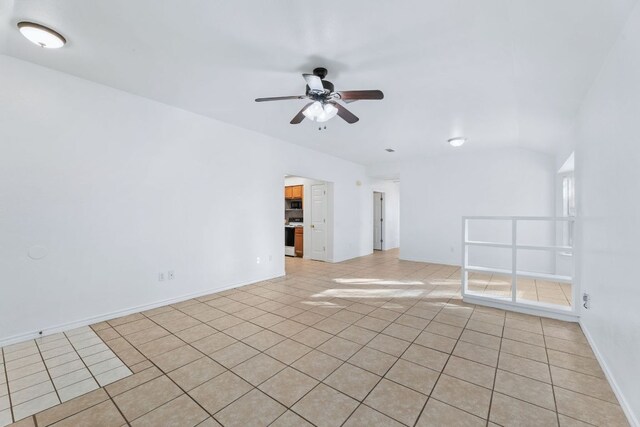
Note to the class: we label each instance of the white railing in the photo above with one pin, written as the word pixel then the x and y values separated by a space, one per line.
pixel 514 272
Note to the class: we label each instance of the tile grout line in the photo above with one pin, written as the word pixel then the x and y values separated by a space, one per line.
pixel 93 376
pixel 6 374
pixel 46 368
pixel 495 373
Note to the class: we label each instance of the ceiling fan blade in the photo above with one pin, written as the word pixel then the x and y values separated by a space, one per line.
pixel 314 82
pixel 300 116
pixel 280 98
pixel 346 115
pixel 353 95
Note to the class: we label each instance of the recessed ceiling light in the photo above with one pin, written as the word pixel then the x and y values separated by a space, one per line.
pixel 41 35
pixel 389 150
pixel 457 142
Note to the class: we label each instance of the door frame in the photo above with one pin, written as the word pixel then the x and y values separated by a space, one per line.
pixel 382 219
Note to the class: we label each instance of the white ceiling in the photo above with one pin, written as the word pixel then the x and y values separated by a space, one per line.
pixel 500 72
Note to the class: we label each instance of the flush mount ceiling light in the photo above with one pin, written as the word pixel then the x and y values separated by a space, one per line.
pixel 320 112
pixel 457 142
pixel 41 35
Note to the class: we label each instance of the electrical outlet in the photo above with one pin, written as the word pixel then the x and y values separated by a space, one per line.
pixel 586 300
pixel 258 260
pixel 171 275
pixel 161 277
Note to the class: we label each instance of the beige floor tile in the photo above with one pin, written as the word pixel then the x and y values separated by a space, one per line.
pixel 396 401
pixel 288 328
pixel 412 321
pixel 525 367
pixel 444 329
pixel 253 409
pixel 436 342
pixel 533 325
pixel 259 368
pixel 402 332
pixel 437 414
pixel 314 406
pixel 523 336
pixel 585 365
pixel 317 364
pixel 267 320
pixel 146 397
pixel 113 375
pixel 195 333
pixel 131 327
pixel 103 414
pixel 224 322
pixel 218 392
pixel 373 360
pixel 288 386
pixel 71 407
pixel 581 383
pixel 508 412
pixel 77 389
pixel 589 409
pixel 413 376
pixel 288 351
pixel 32 392
pixel 308 318
pixel 25 371
pixel 213 343
pixel 389 344
pixel 263 340
pixel 340 348
pixel 352 381
pixel 426 357
pixel 463 395
pixel 331 326
pixel 25 382
pixel 71 378
pixel 291 419
pixel 365 416
pixel 572 347
pixel 521 349
pixel 349 316
pixel 357 334
pixel 243 330
pixel 311 337
pixel 176 358
pixel 476 353
pixel 372 323
pixel 182 411
pixel 570 422
pixel 134 380
pixel 34 406
pixel 160 345
pixel 526 389
pixel 195 373
pixel 234 354
pixel 470 371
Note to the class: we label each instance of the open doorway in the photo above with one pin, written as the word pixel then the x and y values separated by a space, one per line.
pixel 378 221
pixel 307 222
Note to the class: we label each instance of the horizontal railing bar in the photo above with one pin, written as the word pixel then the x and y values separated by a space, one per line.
pixel 525 247
pixel 520 218
pixel 524 274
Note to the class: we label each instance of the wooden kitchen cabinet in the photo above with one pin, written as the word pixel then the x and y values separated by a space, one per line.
pixel 298 243
pixel 293 191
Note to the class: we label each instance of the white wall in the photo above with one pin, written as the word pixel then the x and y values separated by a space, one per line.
pixel 608 203
pixel 391 229
pixel 119 188
pixel 435 193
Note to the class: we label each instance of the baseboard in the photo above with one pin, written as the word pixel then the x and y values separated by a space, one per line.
pixel 520 308
pixel 112 315
pixel 631 417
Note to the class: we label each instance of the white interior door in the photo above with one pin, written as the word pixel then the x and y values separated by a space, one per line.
pixel 378 220
pixel 319 222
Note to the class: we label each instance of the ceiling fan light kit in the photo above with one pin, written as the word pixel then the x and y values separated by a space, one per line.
pixel 324 99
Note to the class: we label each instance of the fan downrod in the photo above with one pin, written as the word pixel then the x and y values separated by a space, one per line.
pixel 320 72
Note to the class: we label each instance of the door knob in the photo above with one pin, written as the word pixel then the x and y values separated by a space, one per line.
pixel 313 226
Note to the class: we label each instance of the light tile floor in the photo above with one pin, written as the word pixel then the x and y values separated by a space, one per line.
pixel 41 373
pixel 528 289
pixel 371 341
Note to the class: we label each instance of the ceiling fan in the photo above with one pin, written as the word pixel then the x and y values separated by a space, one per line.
pixel 323 97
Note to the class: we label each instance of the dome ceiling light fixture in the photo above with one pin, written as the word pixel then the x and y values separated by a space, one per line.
pixel 41 35
pixel 457 142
